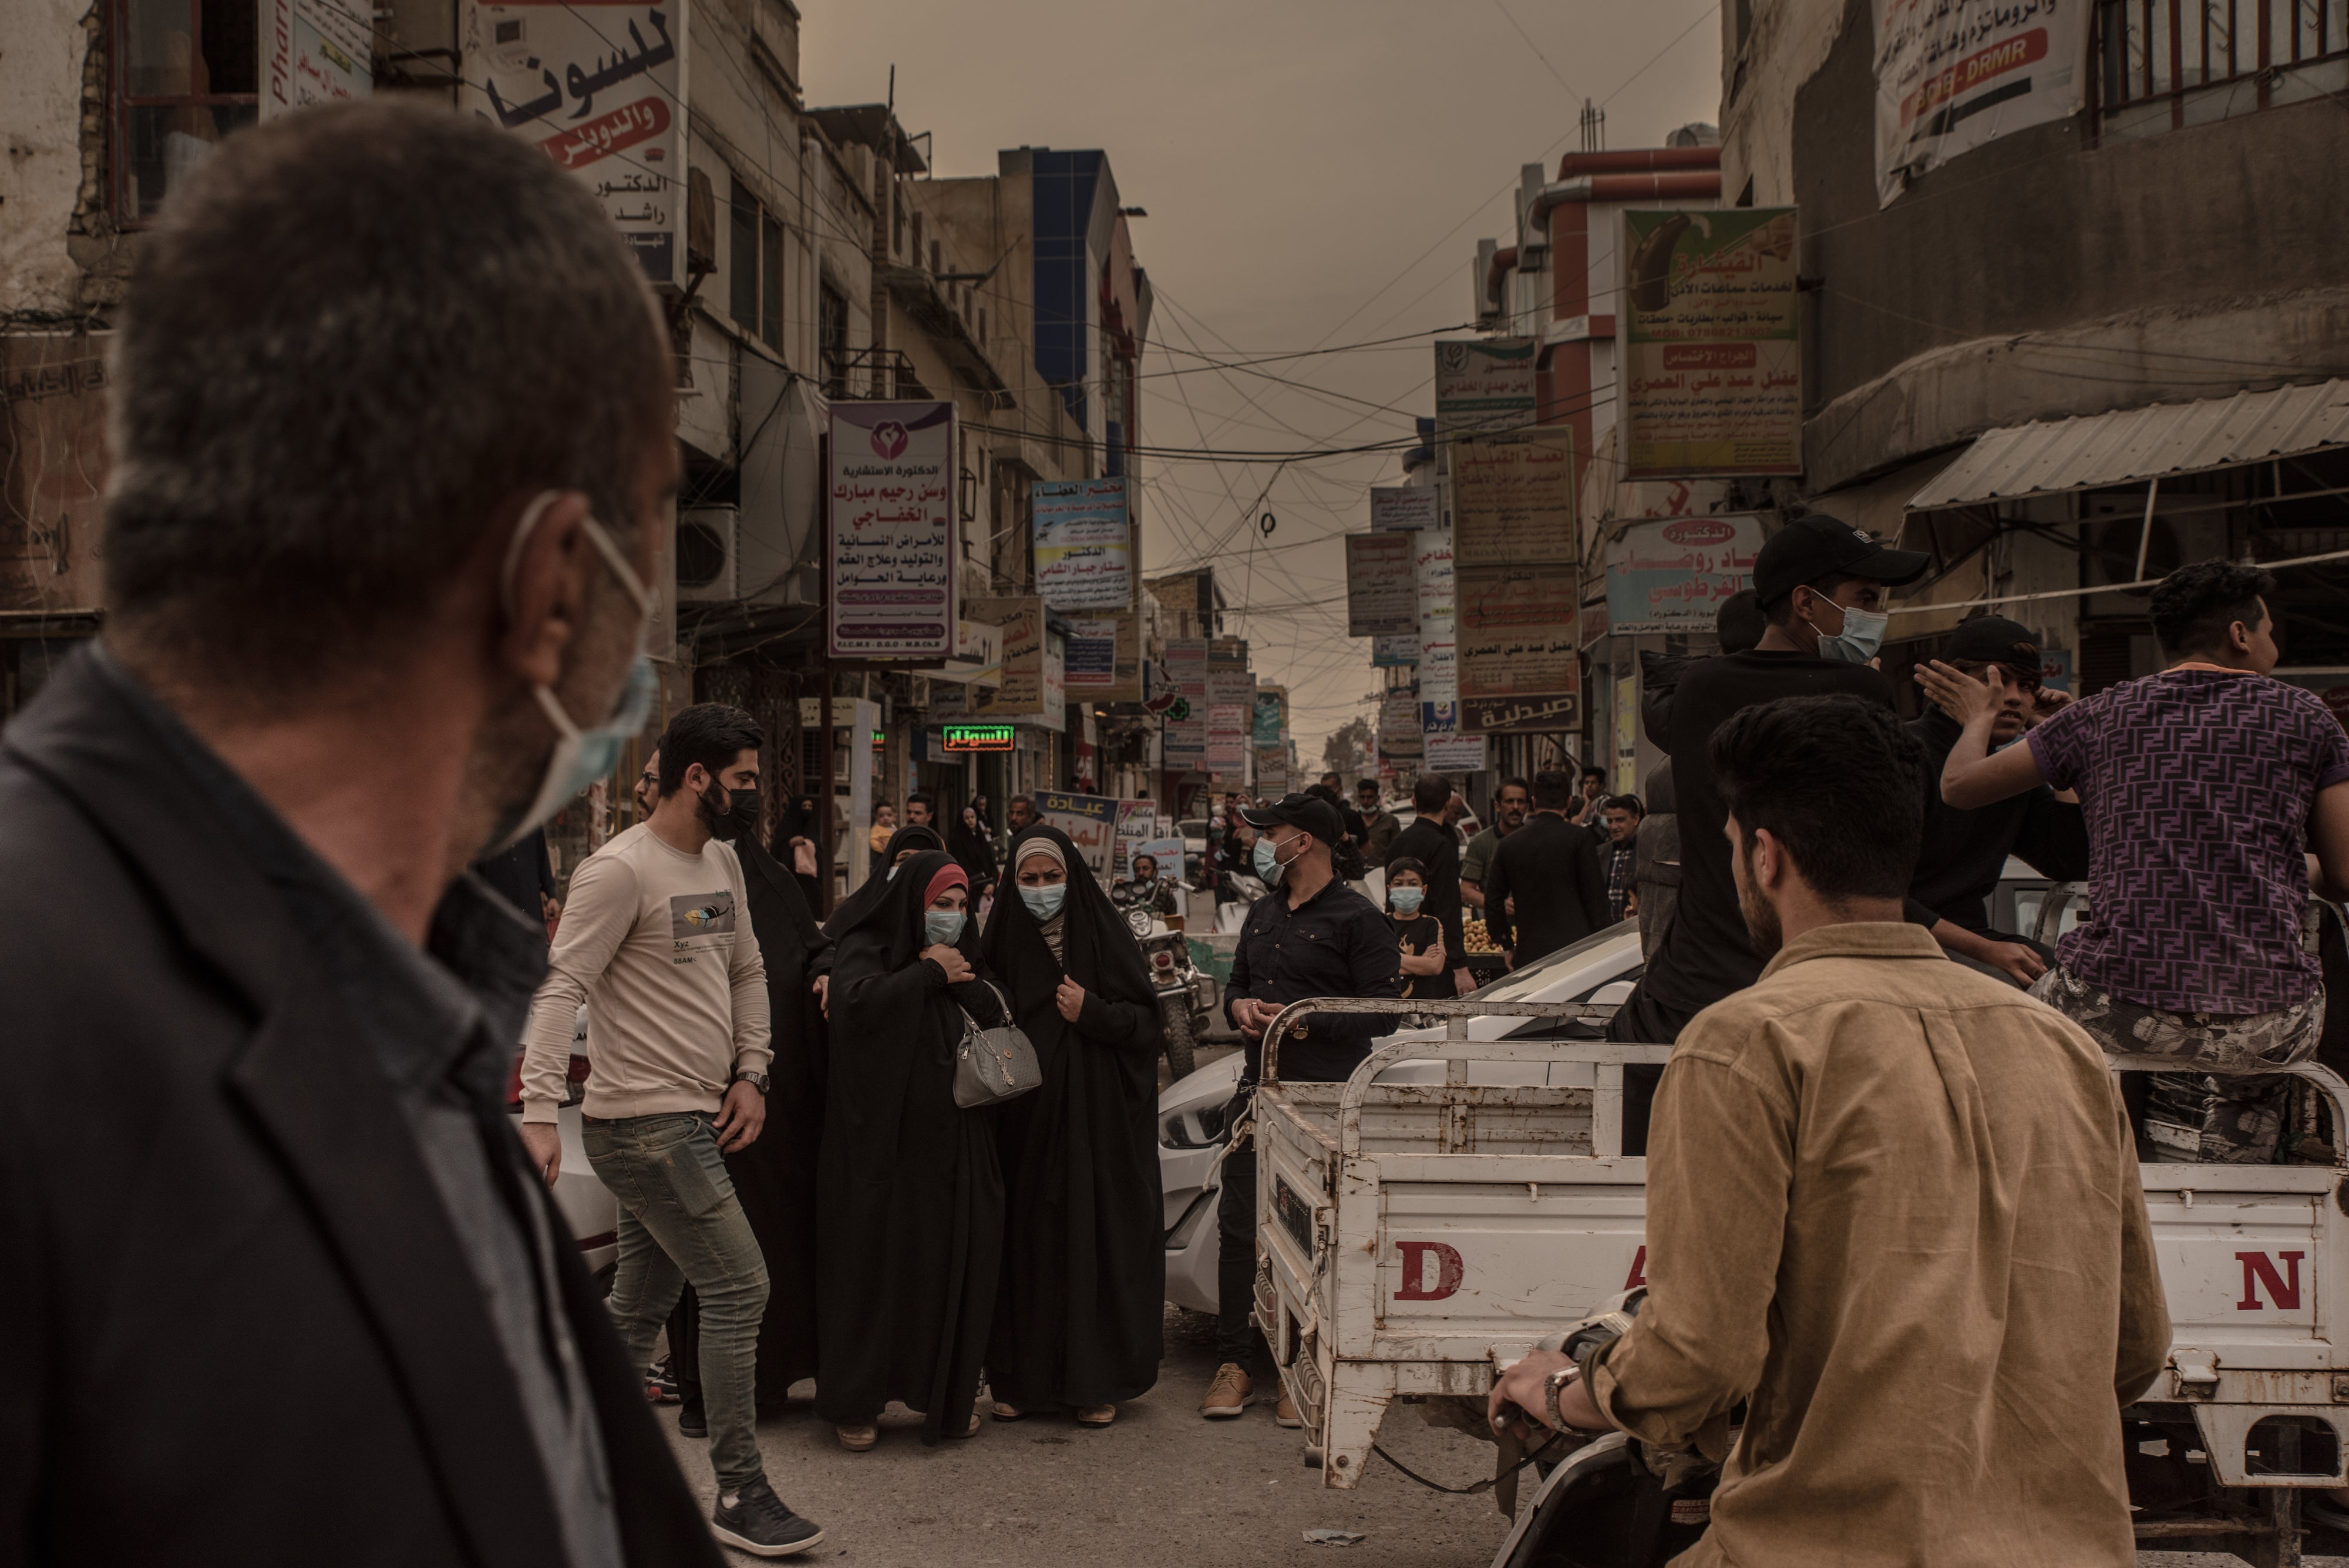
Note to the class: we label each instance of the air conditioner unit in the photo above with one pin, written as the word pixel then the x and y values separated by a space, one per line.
pixel 708 554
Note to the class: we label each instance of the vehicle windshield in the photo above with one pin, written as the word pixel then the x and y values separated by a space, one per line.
pixel 1523 985
pixel 1192 827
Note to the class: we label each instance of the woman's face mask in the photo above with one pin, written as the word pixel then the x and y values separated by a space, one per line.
pixel 1044 902
pixel 942 925
pixel 1406 901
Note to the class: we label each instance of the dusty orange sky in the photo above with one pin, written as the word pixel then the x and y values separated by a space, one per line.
pixel 1298 160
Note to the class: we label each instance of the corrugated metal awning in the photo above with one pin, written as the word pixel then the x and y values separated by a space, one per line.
pixel 2133 445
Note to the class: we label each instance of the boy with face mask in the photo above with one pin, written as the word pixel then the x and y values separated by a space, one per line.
pixel 1419 936
pixel 1823 588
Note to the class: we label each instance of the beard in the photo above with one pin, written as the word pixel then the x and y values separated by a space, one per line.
pixel 718 816
pixel 1762 923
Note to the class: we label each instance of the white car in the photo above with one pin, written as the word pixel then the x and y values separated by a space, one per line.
pixel 1191 1132
pixel 587 1205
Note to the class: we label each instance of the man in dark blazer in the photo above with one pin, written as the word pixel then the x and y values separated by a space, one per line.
pixel 1550 865
pixel 1431 840
pixel 391 434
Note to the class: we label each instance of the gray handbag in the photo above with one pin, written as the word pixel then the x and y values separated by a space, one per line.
pixel 993 1065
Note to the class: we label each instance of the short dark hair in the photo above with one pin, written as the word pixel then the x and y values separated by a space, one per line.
pixel 1553 790
pixel 1402 862
pixel 1739 623
pixel 1839 781
pixel 1511 783
pixel 353 337
pixel 1430 793
pixel 1630 803
pixel 1362 785
pixel 928 801
pixel 1027 800
pixel 710 733
pixel 1780 611
pixel 1139 858
pixel 1592 770
pixel 2194 606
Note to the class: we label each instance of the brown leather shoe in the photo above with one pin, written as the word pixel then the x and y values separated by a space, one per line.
pixel 1229 1394
pixel 1284 1412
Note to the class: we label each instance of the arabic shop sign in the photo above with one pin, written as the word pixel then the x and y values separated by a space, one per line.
pixel 1382 589
pixel 1484 384
pixel 598 85
pixel 1673 576
pixel 1712 380
pixel 1083 559
pixel 1951 75
pixel 313 51
pixel 959 740
pixel 891 505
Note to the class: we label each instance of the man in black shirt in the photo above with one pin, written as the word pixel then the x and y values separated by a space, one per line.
pixel 1552 867
pixel 1964 852
pixel 1313 937
pixel 1431 841
pixel 1821 583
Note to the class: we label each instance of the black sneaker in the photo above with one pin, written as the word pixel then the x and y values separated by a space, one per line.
pixel 660 1382
pixel 761 1523
pixel 692 1419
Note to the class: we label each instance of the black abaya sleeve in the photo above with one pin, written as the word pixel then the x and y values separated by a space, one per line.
pixel 1122 1024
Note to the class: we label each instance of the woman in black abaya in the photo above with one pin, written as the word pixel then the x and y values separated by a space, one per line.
pixel 903 846
pixel 1078 1316
pixel 967 841
pixel 911 1232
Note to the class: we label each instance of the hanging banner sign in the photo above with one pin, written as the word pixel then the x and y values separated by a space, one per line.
pixel 1516 636
pixel 313 51
pixel 1712 364
pixel 1391 652
pixel 1397 508
pixel 1484 384
pixel 1513 498
pixel 1092 668
pixel 1186 729
pixel 1381 586
pixel 600 88
pixel 891 505
pixel 1018 694
pixel 1953 75
pixel 1083 555
pixel 1673 576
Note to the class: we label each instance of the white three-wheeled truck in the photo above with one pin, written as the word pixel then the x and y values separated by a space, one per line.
pixel 1412 1238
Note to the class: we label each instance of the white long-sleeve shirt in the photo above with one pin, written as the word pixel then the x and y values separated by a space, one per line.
pixel 658 944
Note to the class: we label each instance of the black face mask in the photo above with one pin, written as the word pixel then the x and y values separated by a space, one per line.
pixel 739 820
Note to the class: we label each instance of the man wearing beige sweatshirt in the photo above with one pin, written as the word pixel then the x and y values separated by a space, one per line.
pixel 656 939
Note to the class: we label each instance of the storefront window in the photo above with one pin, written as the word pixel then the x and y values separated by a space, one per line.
pixel 188 74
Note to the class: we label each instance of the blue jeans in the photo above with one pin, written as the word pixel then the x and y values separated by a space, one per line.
pixel 679 1222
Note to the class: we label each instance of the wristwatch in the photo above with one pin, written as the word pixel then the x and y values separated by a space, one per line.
pixel 1552 1386
pixel 756 1080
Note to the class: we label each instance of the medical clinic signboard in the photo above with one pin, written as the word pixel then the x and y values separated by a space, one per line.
pixel 1484 384
pixel 600 89
pixel 891 507
pixel 1951 75
pixel 1712 376
pixel 1673 576
pixel 1082 558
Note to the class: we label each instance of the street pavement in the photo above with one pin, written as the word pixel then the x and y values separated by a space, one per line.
pixel 1162 1488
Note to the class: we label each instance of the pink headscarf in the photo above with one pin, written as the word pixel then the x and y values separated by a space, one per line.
pixel 952 876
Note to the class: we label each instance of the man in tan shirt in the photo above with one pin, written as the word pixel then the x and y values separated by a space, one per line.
pixel 656 940
pixel 1893 1209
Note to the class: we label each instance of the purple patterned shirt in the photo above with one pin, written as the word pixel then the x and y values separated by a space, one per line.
pixel 2196 784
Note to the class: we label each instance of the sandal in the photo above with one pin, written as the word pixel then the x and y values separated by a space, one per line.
pixel 857 1439
pixel 1004 1412
pixel 1097 1415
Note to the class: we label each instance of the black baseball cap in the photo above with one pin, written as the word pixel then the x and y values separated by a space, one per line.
pixel 1818 545
pixel 1993 639
pixel 1310 812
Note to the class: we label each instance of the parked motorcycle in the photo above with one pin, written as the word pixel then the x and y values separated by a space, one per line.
pixel 1184 994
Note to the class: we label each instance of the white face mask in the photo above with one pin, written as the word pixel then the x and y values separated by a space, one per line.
pixel 1857 642
pixel 580 757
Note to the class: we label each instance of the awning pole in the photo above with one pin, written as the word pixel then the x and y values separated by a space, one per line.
pixel 2145 533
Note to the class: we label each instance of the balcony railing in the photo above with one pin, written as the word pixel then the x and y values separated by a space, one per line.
pixel 2167 64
